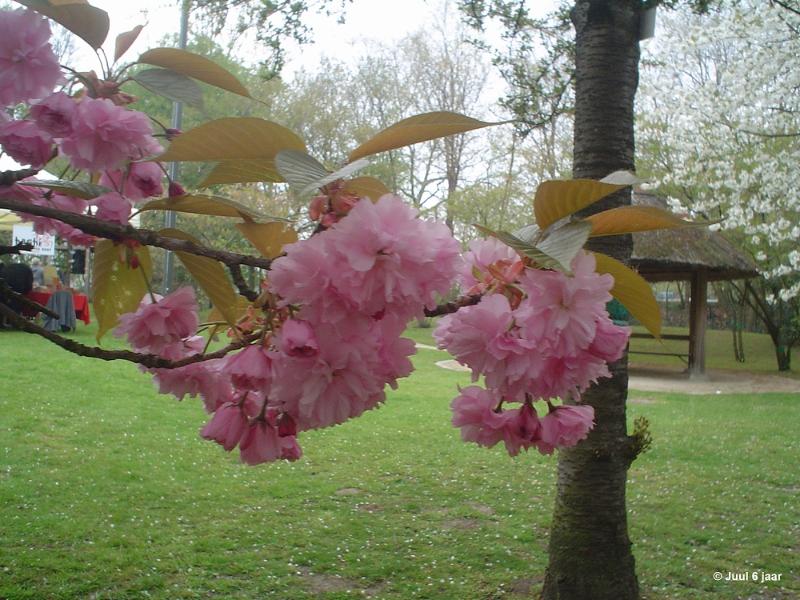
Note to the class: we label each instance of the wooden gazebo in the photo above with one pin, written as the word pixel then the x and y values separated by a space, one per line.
pixel 695 254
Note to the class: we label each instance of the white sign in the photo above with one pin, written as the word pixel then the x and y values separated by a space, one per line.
pixel 44 244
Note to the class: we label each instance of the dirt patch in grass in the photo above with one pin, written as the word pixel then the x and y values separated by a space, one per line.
pixel 461 523
pixel 348 491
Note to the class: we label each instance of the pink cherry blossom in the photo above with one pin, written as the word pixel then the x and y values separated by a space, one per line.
pixel 227 426
pixel 297 339
pixel 565 426
pixel 386 259
pixel 250 369
pixel 74 236
pixel 141 180
pixel 485 338
pixel 28 66
pixel 561 311
pixel 474 412
pixel 610 340
pixel 113 207
pixel 105 136
pixel 54 114
pixel 522 430
pixel 157 325
pixel 483 255
pixel 261 443
pixel 26 143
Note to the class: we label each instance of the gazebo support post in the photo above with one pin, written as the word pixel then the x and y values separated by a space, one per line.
pixel 698 314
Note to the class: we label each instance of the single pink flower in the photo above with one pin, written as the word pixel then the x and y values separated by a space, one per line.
pixel 474 412
pixel 141 180
pixel 386 259
pixel 26 143
pixel 260 443
pixel 105 136
pixel 561 311
pixel 485 259
pixel 610 340
pixel 28 66
pixel 113 207
pixel 227 426
pixel 54 114
pixel 522 429
pixel 565 426
pixel 250 369
pixel 74 236
pixel 157 325
pixel 297 339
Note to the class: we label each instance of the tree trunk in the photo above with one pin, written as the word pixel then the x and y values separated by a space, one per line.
pixel 590 552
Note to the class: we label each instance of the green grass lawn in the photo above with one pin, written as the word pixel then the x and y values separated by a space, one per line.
pixel 108 492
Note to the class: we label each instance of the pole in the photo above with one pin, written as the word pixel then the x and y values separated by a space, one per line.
pixel 170 217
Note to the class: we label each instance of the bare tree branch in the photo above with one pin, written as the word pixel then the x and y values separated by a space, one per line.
pixel 151 361
pixel 17 248
pixel 241 284
pixel 5 290
pixel 146 237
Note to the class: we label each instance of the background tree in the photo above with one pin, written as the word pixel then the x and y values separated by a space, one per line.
pixel 727 145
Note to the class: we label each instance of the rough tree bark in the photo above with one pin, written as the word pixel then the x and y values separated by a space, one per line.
pixel 590 551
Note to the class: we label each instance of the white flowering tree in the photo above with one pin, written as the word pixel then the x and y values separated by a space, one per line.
pixel 719 116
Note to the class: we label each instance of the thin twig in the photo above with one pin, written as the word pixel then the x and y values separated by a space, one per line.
pixel 146 237
pixel 451 307
pixel 241 284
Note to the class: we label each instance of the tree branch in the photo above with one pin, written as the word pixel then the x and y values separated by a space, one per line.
pixel 5 290
pixel 12 177
pixel 241 284
pixel 16 249
pixel 146 237
pixel 151 361
pixel 451 307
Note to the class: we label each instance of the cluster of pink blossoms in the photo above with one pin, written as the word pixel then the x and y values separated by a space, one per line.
pixel 542 336
pixel 342 300
pixel 92 133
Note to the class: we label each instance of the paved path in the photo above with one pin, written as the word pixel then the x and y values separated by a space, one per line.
pixel 715 381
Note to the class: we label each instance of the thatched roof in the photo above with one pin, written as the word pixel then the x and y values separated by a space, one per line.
pixel 661 255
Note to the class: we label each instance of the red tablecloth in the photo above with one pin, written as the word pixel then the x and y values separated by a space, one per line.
pixel 80 301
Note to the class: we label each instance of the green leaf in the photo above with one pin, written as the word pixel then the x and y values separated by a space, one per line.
pixel 366 187
pixel 242 171
pixel 563 243
pixel 233 138
pixel 87 22
pixel 524 248
pixel 560 198
pixel 125 40
pixel 210 275
pixel 117 288
pixel 268 238
pixel 306 174
pixel 200 204
pixel 77 189
pixel 630 219
pixel 633 291
pixel 342 173
pixel 171 85
pixel 419 128
pixel 195 66
pixel 299 168
pixel 624 178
